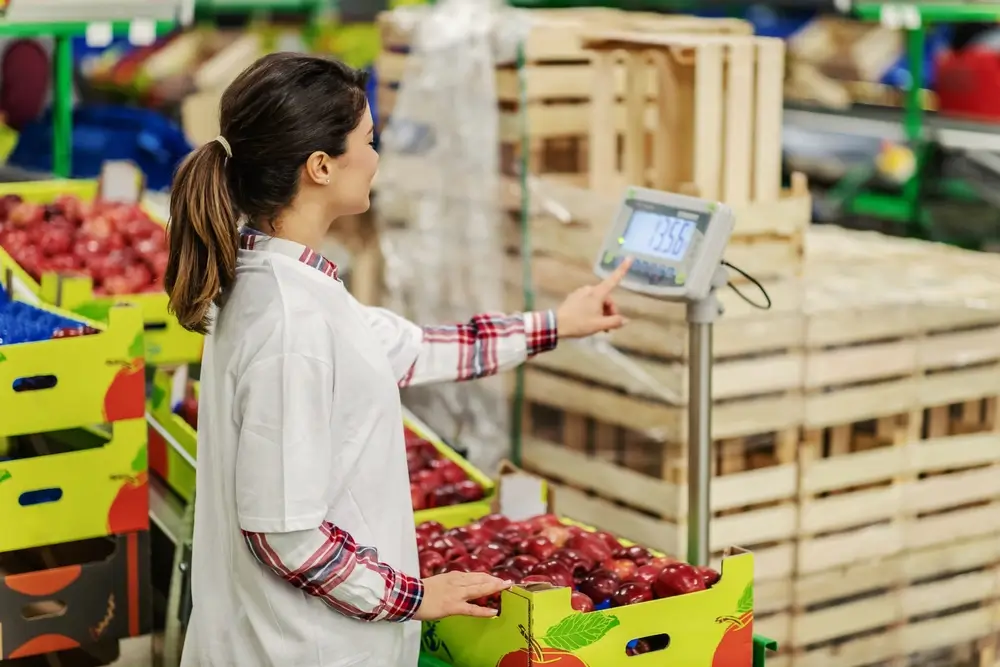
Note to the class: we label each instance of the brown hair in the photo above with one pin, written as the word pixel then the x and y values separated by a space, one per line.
pixel 274 115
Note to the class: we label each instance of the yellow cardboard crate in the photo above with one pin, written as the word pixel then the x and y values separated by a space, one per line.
pixel 537 626
pixel 95 485
pixel 173 450
pixel 167 342
pixel 98 378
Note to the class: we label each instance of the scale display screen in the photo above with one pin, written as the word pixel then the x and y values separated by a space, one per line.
pixel 659 234
pixel 675 241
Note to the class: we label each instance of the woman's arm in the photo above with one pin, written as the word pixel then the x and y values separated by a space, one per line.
pixel 284 473
pixel 485 345
pixel 328 564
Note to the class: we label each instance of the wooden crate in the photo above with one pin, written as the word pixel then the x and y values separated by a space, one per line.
pixel 898 538
pixel 716 122
pixel 558 78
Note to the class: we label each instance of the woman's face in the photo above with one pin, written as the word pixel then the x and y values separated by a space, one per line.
pixel 350 184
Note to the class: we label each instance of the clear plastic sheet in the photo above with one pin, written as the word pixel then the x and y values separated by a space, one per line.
pixel 437 199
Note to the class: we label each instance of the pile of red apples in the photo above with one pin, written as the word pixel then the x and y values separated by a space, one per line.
pixel 601 570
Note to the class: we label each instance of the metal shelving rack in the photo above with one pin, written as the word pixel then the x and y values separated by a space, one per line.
pixel 920 131
pixel 99 21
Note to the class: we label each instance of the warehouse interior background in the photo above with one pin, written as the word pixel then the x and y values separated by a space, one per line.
pixel 854 510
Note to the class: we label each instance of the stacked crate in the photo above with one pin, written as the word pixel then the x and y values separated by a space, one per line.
pixel 558 78
pixel 898 535
pixel 864 472
pixel 74 549
pixel 621 414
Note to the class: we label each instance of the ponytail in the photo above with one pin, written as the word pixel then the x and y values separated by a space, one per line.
pixel 203 237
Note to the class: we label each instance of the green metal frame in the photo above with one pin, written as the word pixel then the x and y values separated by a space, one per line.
pixel 906 205
pixel 62 78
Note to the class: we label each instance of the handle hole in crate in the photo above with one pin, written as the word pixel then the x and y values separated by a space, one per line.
pixel 40 497
pixel 35 383
pixel 39 611
pixel 154 326
pixel 650 644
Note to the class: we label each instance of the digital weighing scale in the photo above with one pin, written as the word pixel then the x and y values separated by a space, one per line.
pixel 676 243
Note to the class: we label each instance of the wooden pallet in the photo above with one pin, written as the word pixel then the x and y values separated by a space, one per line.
pixel 558 77
pixel 899 525
pixel 715 124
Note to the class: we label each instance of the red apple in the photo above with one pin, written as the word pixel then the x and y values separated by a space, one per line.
pixel 452 472
pixel 609 540
pixel 638 555
pixel 417 497
pixel 558 535
pixel 647 574
pixel 542 521
pixel 677 579
pixel 430 528
pixel 708 575
pixel 631 592
pixel 581 602
pixel 494 523
pixel 539 547
pixel 591 545
pixel 508 573
pixel 468 491
pixel 522 562
pixel 443 496
pixel 599 586
pixel 431 562
pixel 492 554
pixel 448 547
pixel 555 570
pixel 624 569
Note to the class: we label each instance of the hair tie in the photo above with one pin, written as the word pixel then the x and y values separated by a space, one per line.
pixel 225 144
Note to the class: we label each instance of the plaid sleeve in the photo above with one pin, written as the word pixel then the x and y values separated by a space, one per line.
pixel 328 564
pixel 485 345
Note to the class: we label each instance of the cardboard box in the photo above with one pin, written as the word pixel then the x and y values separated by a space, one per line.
pixel 59 598
pixel 74 485
pixel 166 341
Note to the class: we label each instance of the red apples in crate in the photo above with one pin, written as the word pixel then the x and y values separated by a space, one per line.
pixel 603 571
pixel 435 479
pixel 118 246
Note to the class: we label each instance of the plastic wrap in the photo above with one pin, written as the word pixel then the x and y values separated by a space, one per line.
pixel 437 199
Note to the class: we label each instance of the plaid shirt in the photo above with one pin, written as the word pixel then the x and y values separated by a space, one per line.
pixel 326 562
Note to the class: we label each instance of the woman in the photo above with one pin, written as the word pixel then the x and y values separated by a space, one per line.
pixel 305 552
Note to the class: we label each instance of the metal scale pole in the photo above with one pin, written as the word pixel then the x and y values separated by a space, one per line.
pixel 701 316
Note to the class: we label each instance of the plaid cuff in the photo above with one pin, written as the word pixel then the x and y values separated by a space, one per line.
pixel 541 331
pixel 403 598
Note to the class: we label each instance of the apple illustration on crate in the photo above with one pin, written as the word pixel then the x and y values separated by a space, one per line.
pixel 737 643
pixel 126 396
pixel 129 510
pixel 555 648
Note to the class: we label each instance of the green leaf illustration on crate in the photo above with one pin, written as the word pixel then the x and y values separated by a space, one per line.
pixel 4 475
pixel 573 633
pixel 2 357
pixel 137 349
pixel 736 647
pixel 430 642
pixel 129 510
pixel 579 630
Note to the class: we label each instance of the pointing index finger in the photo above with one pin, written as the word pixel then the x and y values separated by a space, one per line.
pixel 615 279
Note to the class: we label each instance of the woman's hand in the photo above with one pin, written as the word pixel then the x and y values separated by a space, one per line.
pixel 448 594
pixel 589 310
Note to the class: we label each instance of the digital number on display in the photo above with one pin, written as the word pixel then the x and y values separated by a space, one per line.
pixel 657 234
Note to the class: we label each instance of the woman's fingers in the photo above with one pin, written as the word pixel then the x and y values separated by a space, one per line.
pixel 486 588
pixel 476 611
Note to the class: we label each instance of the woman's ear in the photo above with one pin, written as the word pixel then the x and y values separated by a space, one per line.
pixel 319 167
